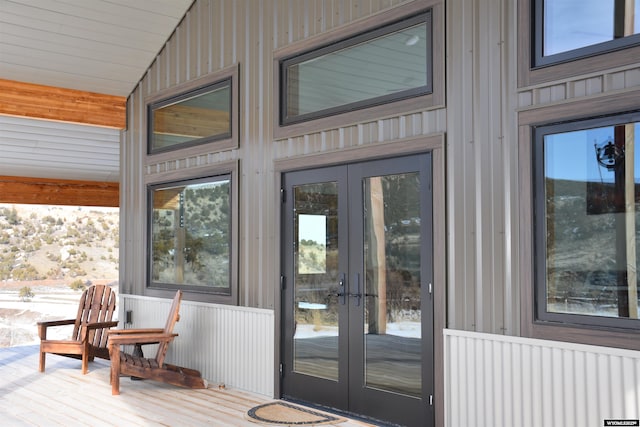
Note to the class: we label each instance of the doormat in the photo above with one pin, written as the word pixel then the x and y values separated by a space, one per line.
pixel 284 414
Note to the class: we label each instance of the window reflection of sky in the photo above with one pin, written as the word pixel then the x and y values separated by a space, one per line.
pixel 572 24
pixel 313 228
pixel 572 155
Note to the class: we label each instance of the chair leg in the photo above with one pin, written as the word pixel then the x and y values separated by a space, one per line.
pixel 86 353
pixel 115 382
pixel 114 353
pixel 42 361
pixel 137 351
pixel 85 363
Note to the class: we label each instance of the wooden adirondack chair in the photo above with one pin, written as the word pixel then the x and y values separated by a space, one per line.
pixel 155 369
pixel 88 340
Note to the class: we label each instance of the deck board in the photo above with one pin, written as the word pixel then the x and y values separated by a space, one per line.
pixel 62 396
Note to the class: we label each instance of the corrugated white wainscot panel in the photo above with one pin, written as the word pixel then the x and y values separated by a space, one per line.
pixel 230 345
pixel 503 381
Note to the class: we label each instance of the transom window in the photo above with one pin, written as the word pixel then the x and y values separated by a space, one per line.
pixel 190 235
pixel 587 239
pixel 199 116
pixel 564 30
pixel 371 68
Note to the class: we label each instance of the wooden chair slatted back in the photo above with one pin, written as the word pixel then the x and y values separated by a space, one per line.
pixel 97 304
pixel 174 316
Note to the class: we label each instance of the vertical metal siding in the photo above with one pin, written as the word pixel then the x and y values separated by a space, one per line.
pixel 363 134
pixel 482 148
pixel 509 173
pixel 499 381
pixel 489 126
pixel 229 345
pixel 216 34
pixel 133 197
pixel 607 82
pixel 460 285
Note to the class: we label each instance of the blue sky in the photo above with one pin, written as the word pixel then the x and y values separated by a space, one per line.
pixel 590 23
pixel 572 155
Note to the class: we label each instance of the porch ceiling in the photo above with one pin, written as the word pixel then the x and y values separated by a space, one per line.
pixel 101 46
pixel 73 63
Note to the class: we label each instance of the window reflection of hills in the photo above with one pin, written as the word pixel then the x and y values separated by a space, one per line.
pixel 582 222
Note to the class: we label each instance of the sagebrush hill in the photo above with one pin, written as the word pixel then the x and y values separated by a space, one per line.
pixel 60 243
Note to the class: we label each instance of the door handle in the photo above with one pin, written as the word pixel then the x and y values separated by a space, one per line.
pixel 340 294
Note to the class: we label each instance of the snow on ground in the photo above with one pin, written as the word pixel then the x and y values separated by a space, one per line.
pixel 405 329
pixel 18 318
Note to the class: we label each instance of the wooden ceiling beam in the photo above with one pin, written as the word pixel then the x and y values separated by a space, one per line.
pixel 66 105
pixel 43 191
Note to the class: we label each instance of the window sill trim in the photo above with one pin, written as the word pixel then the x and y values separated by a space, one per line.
pixel 605 337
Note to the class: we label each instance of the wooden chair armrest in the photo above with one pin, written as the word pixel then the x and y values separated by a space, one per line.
pixel 56 323
pixel 88 327
pixel 120 334
pixel 102 325
pixel 113 332
pixel 150 338
pixel 42 326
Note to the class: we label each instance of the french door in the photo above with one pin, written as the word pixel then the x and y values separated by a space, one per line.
pixel 357 305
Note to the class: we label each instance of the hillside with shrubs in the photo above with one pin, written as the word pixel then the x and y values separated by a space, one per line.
pixel 58 244
pixel 48 255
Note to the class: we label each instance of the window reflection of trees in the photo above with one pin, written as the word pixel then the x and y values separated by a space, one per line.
pixel 401 196
pixel 191 239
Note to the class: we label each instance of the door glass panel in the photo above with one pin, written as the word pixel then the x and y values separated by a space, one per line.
pixel 316 282
pixel 392 283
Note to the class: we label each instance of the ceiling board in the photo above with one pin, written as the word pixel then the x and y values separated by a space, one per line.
pixel 102 46
pixel 172 8
pixel 65 45
pixel 81 30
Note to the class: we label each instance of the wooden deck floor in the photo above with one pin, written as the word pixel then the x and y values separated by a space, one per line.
pixel 62 396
